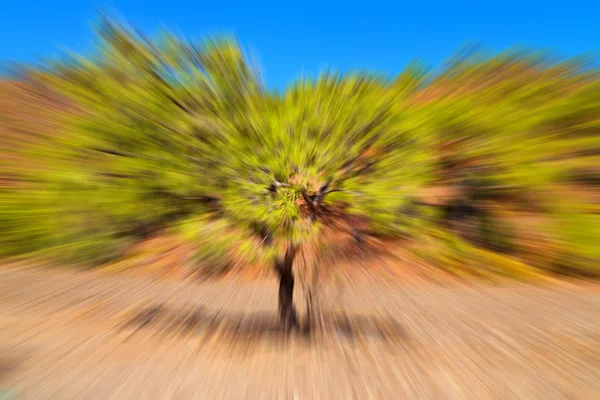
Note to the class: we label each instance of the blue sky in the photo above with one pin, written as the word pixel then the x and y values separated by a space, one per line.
pixel 291 37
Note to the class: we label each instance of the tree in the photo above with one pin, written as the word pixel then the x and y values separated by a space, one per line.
pixel 168 129
pixel 517 138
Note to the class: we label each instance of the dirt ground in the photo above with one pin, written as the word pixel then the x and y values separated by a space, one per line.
pixel 79 335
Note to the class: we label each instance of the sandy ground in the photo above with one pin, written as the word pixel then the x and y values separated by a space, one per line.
pixel 67 335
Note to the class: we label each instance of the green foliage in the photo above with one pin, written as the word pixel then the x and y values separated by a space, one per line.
pixel 165 133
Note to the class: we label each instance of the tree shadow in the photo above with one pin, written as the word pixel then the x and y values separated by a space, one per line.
pixel 261 327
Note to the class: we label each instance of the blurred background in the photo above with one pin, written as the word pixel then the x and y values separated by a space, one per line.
pixel 383 199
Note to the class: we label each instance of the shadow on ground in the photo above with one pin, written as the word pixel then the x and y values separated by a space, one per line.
pixel 257 327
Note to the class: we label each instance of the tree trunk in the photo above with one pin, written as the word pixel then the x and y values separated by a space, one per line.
pixel 287 311
pixel 314 316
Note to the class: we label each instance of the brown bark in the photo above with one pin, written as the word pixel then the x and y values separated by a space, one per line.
pixel 314 316
pixel 287 310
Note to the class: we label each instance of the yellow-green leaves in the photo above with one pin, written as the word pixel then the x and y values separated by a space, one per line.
pixel 162 131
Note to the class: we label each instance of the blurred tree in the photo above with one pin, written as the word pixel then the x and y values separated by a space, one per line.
pixel 167 129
